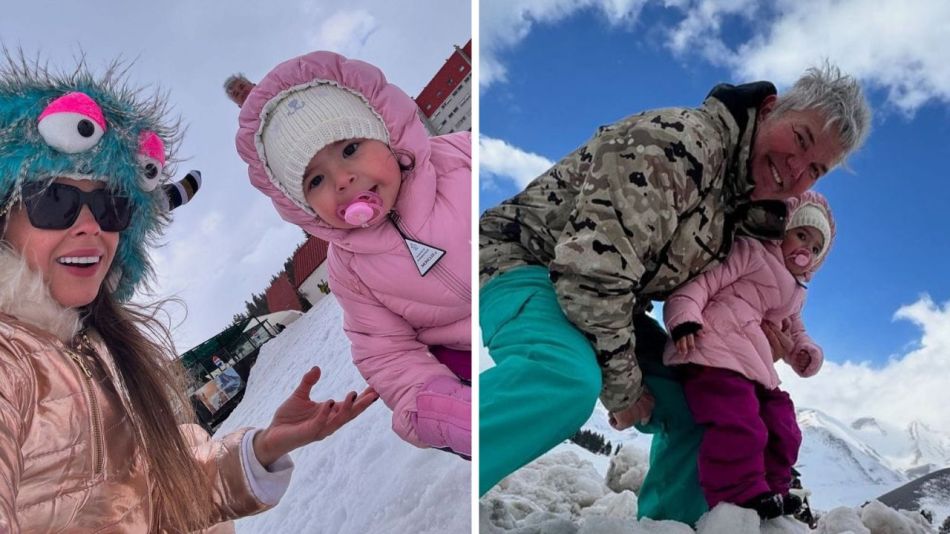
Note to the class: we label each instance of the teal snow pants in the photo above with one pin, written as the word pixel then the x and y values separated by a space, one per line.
pixel 671 488
pixel 545 380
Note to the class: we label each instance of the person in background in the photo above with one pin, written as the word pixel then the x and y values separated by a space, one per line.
pixel 237 87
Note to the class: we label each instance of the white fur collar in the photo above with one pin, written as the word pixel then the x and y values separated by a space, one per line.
pixel 24 295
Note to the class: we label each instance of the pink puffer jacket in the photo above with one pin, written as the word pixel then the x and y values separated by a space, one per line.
pixel 391 313
pixel 731 301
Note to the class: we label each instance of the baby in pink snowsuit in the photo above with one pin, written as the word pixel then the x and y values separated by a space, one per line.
pixel 751 436
pixel 342 153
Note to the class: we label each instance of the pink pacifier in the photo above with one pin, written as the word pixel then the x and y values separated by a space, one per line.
pixel 365 207
pixel 801 258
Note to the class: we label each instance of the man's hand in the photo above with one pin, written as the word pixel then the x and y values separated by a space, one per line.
pixel 299 420
pixel 638 413
pixel 780 342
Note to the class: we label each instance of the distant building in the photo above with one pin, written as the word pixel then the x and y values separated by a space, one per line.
pixel 273 323
pixel 281 295
pixel 310 270
pixel 219 367
pixel 446 102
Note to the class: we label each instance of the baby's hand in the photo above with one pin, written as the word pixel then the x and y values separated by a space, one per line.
pixel 807 360
pixel 802 361
pixel 638 412
pixel 684 336
pixel 686 343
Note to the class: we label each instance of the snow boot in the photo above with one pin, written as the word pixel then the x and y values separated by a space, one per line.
pixel 791 504
pixel 767 505
pixel 803 512
pixel 443 418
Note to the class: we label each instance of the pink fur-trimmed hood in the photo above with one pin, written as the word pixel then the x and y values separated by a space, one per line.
pixel 397 110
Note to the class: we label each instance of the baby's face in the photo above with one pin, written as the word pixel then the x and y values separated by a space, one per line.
pixel 801 246
pixel 340 171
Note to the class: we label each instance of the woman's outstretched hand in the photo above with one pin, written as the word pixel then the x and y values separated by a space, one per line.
pixel 299 420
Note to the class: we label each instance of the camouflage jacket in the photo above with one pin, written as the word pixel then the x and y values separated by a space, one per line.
pixel 645 205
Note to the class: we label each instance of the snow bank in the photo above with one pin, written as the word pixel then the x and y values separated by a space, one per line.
pixel 563 492
pixel 363 478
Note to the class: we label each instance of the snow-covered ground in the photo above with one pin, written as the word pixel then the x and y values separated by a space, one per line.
pixel 573 491
pixel 363 478
pixel 563 492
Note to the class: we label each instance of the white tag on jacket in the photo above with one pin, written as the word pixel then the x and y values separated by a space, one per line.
pixel 424 256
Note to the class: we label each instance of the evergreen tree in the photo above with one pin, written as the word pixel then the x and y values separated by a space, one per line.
pixel 592 441
pixel 945 527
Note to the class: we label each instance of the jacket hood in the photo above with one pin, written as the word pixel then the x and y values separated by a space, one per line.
pixel 397 110
pixel 741 104
pixel 25 296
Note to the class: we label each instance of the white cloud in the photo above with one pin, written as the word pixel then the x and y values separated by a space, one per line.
pixel 898 46
pixel 498 158
pixel 345 32
pixel 702 24
pixel 503 24
pixel 911 386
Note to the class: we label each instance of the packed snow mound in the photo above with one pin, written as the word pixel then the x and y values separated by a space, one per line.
pixel 363 478
pixel 627 469
pixel 562 492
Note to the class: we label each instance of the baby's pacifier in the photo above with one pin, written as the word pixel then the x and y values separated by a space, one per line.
pixel 365 207
pixel 801 258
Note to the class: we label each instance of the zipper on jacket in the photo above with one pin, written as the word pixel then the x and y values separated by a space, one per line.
pixel 97 446
pixel 440 271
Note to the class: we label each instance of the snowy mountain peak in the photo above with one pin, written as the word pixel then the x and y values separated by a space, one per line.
pixel 837 464
pixel 868 423
pixel 930 449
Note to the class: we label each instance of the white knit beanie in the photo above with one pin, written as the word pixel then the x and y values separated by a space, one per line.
pixel 302 120
pixel 813 215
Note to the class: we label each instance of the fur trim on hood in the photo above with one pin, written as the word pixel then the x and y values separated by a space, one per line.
pixel 25 296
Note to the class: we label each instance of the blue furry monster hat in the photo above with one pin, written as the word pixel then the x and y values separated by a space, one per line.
pixel 77 126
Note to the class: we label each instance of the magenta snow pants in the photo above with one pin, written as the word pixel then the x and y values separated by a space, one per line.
pixel 458 361
pixel 751 436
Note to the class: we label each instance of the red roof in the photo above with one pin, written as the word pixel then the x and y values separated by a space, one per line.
pixel 456 68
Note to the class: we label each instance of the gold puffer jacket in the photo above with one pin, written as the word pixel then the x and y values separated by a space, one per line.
pixel 68 457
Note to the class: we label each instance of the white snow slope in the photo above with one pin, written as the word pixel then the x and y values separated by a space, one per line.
pixel 363 478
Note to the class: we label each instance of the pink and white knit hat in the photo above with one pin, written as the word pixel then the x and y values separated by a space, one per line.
pixel 305 119
pixel 812 209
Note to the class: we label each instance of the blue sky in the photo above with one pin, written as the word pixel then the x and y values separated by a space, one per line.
pixel 552 72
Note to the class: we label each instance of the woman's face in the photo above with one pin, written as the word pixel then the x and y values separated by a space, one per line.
pixel 74 262
pixel 340 171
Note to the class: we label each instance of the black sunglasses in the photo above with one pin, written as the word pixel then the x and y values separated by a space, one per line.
pixel 57 206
